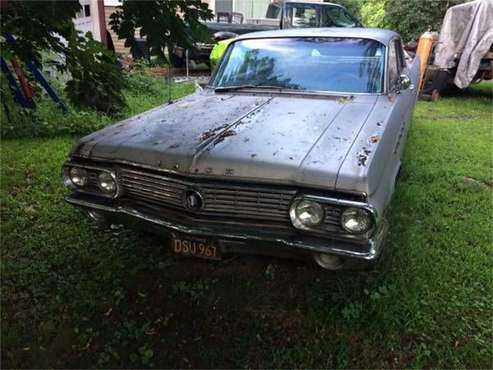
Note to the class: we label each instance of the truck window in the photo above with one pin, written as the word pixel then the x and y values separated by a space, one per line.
pixel 334 16
pixel 273 11
pixel 301 16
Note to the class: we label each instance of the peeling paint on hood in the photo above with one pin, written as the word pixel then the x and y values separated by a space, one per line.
pixel 283 138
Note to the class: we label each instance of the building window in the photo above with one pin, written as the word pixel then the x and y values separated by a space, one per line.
pixel 87 10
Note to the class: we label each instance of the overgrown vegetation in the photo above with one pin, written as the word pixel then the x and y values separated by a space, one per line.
pixel 141 93
pixel 156 21
pixel 46 26
pixel 74 296
pixel 412 18
pixel 409 18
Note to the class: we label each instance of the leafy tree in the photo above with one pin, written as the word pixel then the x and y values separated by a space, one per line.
pixel 97 81
pixel 373 13
pixel 164 23
pixel 411 18
pixel 41 26
pixel 353 6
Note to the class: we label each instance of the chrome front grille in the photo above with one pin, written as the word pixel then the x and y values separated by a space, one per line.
pixel 242 201
pixel 152 187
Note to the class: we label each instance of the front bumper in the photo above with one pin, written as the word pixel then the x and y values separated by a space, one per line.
pixel 234 237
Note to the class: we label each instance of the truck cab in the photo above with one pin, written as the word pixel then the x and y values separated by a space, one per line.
pixel 300 14
pixel 279 14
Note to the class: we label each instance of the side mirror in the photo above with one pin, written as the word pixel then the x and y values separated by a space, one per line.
pixel 405 83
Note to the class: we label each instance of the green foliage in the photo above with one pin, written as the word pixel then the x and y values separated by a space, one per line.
pixel 78 297
pixel 37 26
pixel 353 6
pixel 142 93
pixel 373 13
pixel 412 18
pixel 96 82
pixel 164 24
pixel 42 26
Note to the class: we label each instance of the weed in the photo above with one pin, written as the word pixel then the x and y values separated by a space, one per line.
pixel 77 297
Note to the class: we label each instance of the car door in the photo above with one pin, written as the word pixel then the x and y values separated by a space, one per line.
pixel 402 100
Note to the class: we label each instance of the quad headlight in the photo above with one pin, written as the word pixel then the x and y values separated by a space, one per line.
pixel 356 220
pixel 321 215
pixel 77 176
pixel 107 183
pixel 306 214
pixel 91 180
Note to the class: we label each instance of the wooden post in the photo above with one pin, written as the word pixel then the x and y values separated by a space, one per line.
pixel 425 46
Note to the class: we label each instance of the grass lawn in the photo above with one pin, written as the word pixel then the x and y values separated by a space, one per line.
pixel 74 296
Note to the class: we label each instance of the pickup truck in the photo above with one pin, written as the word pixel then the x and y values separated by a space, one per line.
pixel 279 15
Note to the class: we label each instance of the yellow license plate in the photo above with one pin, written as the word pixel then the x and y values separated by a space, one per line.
pixel 195 247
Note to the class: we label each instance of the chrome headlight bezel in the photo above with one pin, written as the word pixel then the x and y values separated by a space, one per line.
pixel 342 205
pixel 110 177
pixel 69 177
pixel 295 211
pixel 357 212
pixel 92 187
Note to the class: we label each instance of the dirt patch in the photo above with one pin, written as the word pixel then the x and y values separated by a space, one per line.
pixel 472 182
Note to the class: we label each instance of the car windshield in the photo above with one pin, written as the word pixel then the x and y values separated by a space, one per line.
pixel 349 65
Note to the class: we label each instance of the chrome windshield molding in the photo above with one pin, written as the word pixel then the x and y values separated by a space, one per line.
pixel 337 202
pixel 371 253
pixel 322 93
pixel 67 165
pixel 384 91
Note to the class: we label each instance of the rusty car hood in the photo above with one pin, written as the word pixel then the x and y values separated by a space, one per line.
pixel 276 138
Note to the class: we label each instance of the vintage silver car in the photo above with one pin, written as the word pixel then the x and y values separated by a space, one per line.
pixel 293 149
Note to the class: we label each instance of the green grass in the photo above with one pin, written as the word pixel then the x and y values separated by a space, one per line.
pixel 142 93
pixel 74 296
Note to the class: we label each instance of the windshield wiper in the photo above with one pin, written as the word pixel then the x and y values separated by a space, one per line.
pixel 249 86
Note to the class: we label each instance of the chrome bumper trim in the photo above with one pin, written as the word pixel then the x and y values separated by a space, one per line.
pixel 337 247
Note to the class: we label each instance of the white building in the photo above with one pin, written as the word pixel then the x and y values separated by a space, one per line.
pixel 91 18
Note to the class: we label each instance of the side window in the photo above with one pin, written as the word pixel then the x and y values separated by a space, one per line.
pixel 337 17
pixel 302 16
pixel 400 54
pixel 392 63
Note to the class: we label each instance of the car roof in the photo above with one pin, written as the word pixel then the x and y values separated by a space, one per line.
pixel 378 34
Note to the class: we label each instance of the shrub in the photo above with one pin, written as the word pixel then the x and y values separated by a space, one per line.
pixel 412 18
pixel 97 81
pixel 373 13
pixel 46 26
pixel 141 92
